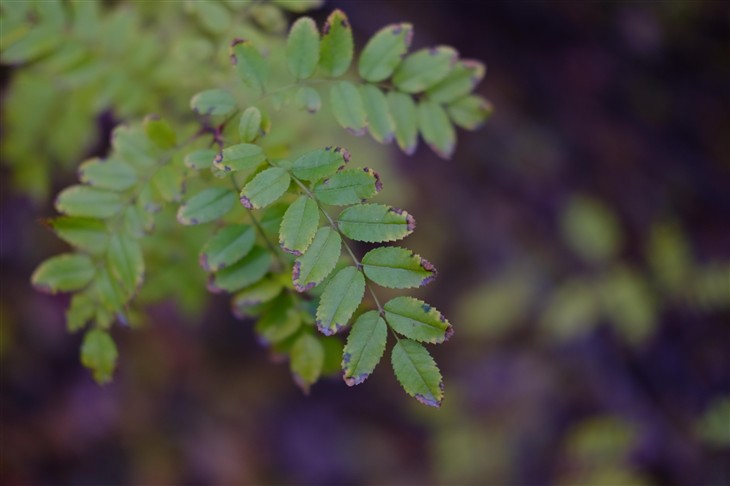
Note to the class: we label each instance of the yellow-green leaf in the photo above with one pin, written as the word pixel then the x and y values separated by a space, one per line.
pixel 99 354
pixel 397 268
pixel 417 320
pixel 424 68
pixel 307 359
pixel 227 247
pixel 348 107
pixel 469 112
pixel 340 299
pixel 302 48
pixel 213 102
pixel 63 273
pixel 365 347
pixel 207 205
pixel 375 223
pixel 88 202
pixel 249 127
pixel 249 64
pixel 336 47
pixel 384 52
pixel 417 372
pixel 318 261
pixel 321 163
pixel 247 271
pixel 243 156
pixel 349 186
pixel 380 122
pixel 265 188
pixel 405 117
pixel 460 82
pixel 436 128
pixel 299 225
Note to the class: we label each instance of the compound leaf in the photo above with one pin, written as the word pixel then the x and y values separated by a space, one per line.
pixel 384 52
pixel 424 68
pixel 239 157
pixel 265 188
pixel 247 271
pixel 88 202
pixel 405 117
pixel 349 186
pixel 299 226
pixel 207 205
pixel 340 299
pixel 302 48
pixel 109 174
pixel 227 247
pixel 459 82
pixel 63 273
pixel 437 130
pixel 365 347
pixel 375 223
pixel 397 268
pixel 380 122
pixel 318 261
pixel 250 65
pixel 99 354
pixel 213 102
pixel 307 359
pixel 321 163
pixel 348 107
pixel 417 320
pixel 337 45
pixel 417 372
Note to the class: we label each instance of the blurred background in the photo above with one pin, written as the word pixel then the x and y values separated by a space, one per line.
pixel 582 239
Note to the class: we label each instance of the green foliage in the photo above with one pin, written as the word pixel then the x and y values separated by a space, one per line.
pixel 198 163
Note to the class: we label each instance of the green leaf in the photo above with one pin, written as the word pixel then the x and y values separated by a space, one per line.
pixel 149 199
pixel 247 271
pixel 250 65
pixel 340 299
pixel 299 225
pixel 319 260
pixel 137 221
pixel 302 48
pixel 109 174
pixel 279 321
pixel 227 247
pixel 63 273
pixel 39 42
pixel 298 6
pixel 214 102
pixel 348 108
pixel 417 372
pixel 321 163
pixel 375 223
pixel 133 147
pixel 99 354
pixel 417 320
pixel 405 116
pixel 86 234
pixel 437 130
pixel 349 186
pixel 271 218
pixel 213 16
pixel 169 182
pixel 160 132
pixel 88 202
pixel 126 263
pixel 365 347
pixel 384 52
pixel 337 45
pixel 80 311
pixel 111 296
pixel 307 359
pixel 424 68
pixel 239 157
pixel 591 229
pixel 249 128
pixel 380 122
pixel 469 112
pixel 200 159
pixel 459 83
pixel 307 98
pixel 207 205
pixel 397 268
pixel 262 291
pixel 265 188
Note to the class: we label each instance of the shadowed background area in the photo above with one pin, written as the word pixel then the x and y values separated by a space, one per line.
pixel 583 248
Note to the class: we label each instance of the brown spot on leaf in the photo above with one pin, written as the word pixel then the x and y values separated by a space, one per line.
pixel 289 250
pixel 246 202
pixel 355 380
pixel 449 332
pixel 237 41
pixel 428 400
pixel 326 28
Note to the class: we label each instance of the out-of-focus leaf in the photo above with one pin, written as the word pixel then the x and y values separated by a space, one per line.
pixel 247 271
pixel 250 65
pixel 375 223
pixel 125 262
pixel 424 68
pixel 384 52
pixel 348 107
pixel 380 122
pixel 63 273
pixel 249 127
pixel 405 117
pixel 261 292
pixel 469 112
pixel 436 128
pixel 318 261
pixel 279 321
pixel 265 188
pixel 459 83
pixel 321 163
pixel 84 233
pixel 299 6
pixel 227 247
pixel 307 359
pixel 307 98
pixel 160 132
pixel 365 347
pixel 336 46
pixel 38 42
pixel 169 182
pixel 214 102
pixel 200 159
pixel 299 225
pixel 629 303
pixel 591 229
pixel 99 354
pixel 88 202
pixel 397 268
pixel 417 372
pixel 349 186
pixel 417 320
pixel 111 174
pixel 340 299
pixel 302 48
pixel 243 156
pixel 207 205
pixel 573 309
pixel 80 311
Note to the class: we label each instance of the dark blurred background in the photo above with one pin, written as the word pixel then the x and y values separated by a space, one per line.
pixel 582 238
